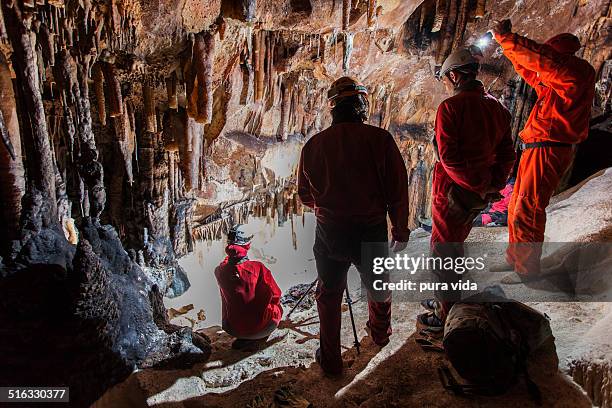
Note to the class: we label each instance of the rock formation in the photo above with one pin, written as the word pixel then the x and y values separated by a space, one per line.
pixel 131 128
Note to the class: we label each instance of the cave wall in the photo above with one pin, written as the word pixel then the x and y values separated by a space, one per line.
pixel 130 128
pixel 157 101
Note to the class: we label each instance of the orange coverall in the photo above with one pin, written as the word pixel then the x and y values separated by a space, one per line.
pixel 565 85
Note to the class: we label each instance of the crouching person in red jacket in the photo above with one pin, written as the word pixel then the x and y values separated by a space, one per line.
pixel 250 297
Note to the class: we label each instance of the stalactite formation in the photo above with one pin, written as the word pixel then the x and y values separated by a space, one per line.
pixel 203 55
pixel 480 8
pixel 36 138
pixel 98 80
pixel 12 180
pixel 195 120
pixel 346 14
pixel 171 92
pixel 115 99
pixel 371 13
pixel 148 96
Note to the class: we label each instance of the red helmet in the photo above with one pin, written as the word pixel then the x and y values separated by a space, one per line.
pixel 565 43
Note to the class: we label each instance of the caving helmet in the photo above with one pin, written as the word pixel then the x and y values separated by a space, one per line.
pixel 237 235
pixel 343 87
pixel 462 60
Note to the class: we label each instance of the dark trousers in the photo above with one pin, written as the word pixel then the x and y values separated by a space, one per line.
pixel 335 249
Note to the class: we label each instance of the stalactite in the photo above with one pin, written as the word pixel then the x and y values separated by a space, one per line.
pixel 89 168
pixel 481 6
pixel 46 40
pixel 441 14
pixel 115 100
pixel 12 180
pixel 146 145
pixel 190 150
pixel 285 107
pixel 270 69
pixel 150 115
pixel 171 173
pixel 65 75
pixel 371 13
pixel 178 181
pixel 203 57
pixel 346 14
pixel 347 47
pixel 171 91
pixel 248 79
pixel 461 22
pixel 259 53
pixel 190 88
pixel 98 81
pixel 222 27
pixel 125 140
pixel 35 135
pixel 323 45
pixel 3 36
pixel 449 32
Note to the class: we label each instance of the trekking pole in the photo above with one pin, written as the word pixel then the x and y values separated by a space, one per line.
pixel 302 298
pixel 350 306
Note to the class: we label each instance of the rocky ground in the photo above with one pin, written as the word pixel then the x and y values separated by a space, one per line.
pixel 401 374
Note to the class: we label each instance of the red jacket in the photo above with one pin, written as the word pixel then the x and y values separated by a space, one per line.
pixel 474 139
pixel 565 85
pixel 250 297
pixel 354 173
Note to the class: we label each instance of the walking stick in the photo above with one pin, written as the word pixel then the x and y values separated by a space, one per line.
pixel 302 298
pixel 350 306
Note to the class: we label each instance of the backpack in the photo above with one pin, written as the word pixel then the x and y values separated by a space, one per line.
pixel 488 345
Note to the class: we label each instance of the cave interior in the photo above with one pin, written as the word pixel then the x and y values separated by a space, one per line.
pixel 136 132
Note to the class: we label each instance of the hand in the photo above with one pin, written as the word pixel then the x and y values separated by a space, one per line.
pixel 501 27
pixel 397 246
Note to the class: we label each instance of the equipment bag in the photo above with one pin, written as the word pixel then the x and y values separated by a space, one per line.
pixel 488 344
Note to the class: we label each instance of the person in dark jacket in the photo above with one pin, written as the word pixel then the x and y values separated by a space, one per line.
pixel 476 154
pixel 353 176
pixel 250 297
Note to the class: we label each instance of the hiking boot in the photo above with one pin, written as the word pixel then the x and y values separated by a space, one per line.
pixel 380 342
pixel 332 374
pixel 432 321
pixel 430 304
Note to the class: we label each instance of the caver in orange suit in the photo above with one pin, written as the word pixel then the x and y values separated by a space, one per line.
pixel 565 85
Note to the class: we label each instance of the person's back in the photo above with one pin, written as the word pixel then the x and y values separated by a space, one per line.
pixel 250 297
pixel 353 175
pixel 474 143
pixel 345 166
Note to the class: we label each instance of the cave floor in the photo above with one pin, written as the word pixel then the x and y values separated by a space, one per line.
pixel 401 374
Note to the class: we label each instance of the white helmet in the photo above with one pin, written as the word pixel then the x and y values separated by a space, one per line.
pixel 456 60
